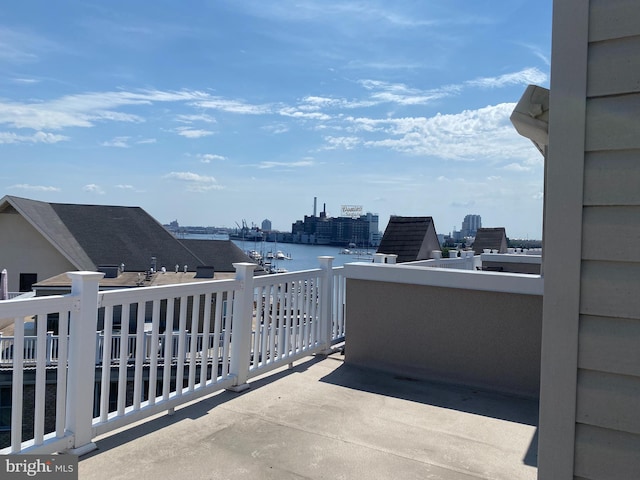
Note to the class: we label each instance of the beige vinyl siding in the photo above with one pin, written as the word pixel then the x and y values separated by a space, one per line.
pixel 608 400
pixel 611 233
pixel 607 432
pixel 611 67
pixel 610 289
pixel 611 178
pixel 610 19
pixel 606 454
pixel 609 344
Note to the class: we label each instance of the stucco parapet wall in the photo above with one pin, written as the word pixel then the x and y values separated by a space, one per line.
pixel 521 283
pixel 511 258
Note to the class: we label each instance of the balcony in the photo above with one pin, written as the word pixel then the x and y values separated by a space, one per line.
pixel 452 394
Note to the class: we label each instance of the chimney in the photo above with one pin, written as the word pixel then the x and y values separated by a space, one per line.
pixel 315 206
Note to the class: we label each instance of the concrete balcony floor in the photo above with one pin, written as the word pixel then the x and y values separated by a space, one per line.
pixel 325 419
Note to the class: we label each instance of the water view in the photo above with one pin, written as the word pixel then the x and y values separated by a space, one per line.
pixel 299 256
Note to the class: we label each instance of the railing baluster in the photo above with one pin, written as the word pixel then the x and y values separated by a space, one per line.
pixel 153 353
pixel 122 367
pixel 17 381
pixel 61 372
pixel 40 393
pixel 181 345
pixel 105 378
pixel 217 332
pixel 206 340
pixel 139 356
pixel 168 349
pixel 195 313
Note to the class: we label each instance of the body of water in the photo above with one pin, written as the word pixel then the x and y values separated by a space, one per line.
pixel 304 257
pixel 301 257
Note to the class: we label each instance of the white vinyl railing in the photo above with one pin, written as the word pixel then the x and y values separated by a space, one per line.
pixel 159 347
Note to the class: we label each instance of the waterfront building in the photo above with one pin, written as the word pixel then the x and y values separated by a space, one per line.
pixel 361 231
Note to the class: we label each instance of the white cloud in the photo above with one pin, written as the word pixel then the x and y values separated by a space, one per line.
pixel 145 141
pixel 523 77
pixel 209 157
pixel 295 113
pixel 119 142
pixel 85 109
pixel 192 132
pixel 93 188
pixel 38 137
pixel 233 106
pixel 470 135
pixel 537 51
pixel 21 46
pixel 276 128
pixel 347 143
pixel 298 164
pixel 385 92
pixel 194 181
pixel 401 94
pixel 516 167
pixel 195 118
pixel 36 188
pixel 25 81
pixel 125 187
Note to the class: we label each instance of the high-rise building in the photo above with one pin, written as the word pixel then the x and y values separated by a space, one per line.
pixel 266 225
pixel 470 225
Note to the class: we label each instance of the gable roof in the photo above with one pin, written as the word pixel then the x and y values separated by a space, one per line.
pixel 406 237
pixel 93 235
pixel 221 254
pixel 44 219
pixel 493 238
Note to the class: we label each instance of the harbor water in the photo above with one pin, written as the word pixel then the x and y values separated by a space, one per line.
pixel 299 256
pixel 304 257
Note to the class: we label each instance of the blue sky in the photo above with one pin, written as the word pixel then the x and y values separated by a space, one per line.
pixel 211 112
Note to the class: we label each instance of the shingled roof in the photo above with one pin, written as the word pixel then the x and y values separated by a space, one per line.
pixel 411 238
pixel 93 235
pixel 490 238
pixel 221 254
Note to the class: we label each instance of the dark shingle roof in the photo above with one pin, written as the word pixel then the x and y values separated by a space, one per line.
pixel 404 236
pixel 493 238
pixel 112 235
pixel 94 235
pixel 221 254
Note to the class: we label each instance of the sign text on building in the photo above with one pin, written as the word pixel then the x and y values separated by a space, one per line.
pixel 353 211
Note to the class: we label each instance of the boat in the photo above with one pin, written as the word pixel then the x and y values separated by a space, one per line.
pixel 254 255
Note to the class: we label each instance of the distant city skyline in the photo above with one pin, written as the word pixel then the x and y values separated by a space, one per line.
pixel 221 111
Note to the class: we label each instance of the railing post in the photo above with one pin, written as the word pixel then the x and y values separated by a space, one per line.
pixel 326 303
pixel 82 352
pixel 379 257
pixel 241 327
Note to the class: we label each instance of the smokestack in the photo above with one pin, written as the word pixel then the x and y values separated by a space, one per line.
pixel 315 205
